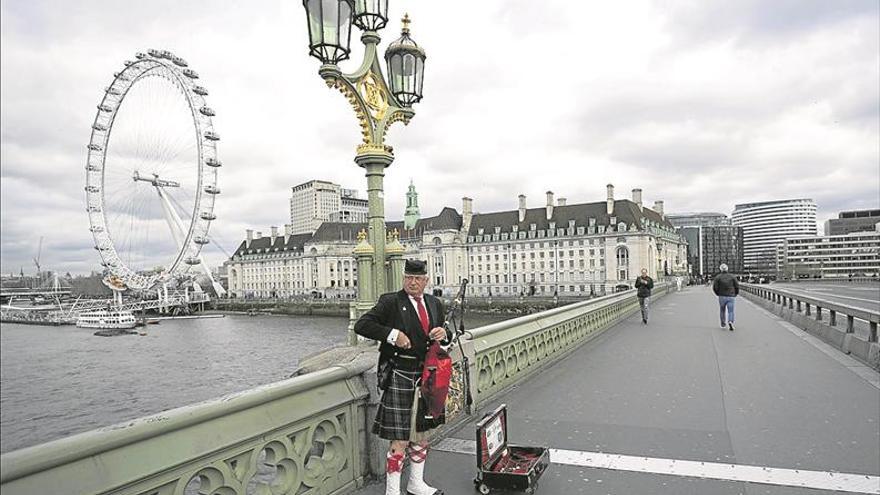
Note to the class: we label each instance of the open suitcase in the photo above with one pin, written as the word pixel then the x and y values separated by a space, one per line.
pixel 502 466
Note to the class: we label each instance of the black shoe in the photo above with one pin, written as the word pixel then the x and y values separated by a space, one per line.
pixel 645 321
pixel 730 326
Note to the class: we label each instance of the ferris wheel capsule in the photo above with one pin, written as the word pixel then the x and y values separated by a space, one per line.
pixel 213 162
pixel 200 90
pixel 95 147
pixel 212 189
pixel 192 261
pixel 190 73
pixel 207 111
pixel 105 108
pixel 212 136
pixel 201 240
pixel 205 215
pixel 179 61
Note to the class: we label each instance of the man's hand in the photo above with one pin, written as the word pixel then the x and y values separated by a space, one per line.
pixel 437 333
pixel 402 341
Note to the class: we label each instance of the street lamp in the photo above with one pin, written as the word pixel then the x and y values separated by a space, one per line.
pixel 377 103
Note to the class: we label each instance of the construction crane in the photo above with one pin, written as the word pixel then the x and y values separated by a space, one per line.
pixel 37 262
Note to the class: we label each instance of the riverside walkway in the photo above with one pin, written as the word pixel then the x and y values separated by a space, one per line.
pixel 680 406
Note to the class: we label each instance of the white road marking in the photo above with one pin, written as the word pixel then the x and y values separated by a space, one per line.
pixel 819 480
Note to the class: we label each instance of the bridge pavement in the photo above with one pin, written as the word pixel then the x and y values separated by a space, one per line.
pixel 682 388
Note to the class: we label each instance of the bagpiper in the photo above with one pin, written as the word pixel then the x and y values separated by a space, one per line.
pixel 412 366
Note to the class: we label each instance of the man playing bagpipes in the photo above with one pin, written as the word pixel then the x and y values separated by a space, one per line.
pixel 414 373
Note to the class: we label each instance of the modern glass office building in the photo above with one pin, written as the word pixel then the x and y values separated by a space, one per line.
pixel 767 224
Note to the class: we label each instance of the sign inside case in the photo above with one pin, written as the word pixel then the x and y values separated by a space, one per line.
pixel 494 436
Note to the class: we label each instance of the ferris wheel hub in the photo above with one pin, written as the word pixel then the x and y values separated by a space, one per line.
pixel 156 181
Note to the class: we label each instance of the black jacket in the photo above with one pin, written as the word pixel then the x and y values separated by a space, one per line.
pixel 725 284
pixel 644 285
pixel 394 310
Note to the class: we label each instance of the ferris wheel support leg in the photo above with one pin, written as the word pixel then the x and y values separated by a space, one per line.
pixel 171 217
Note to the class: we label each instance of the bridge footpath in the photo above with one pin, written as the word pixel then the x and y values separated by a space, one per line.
pixel 682 389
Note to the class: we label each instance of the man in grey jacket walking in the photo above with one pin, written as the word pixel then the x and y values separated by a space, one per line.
pixel 726 288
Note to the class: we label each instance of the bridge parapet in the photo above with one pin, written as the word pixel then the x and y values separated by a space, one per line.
pixel 307 434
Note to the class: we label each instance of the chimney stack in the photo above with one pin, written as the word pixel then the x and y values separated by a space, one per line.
pixel 560 202
pixel 288 227
pixel 549 205
pixel 658 207
pixel 274 235
pixel 467 213
pixel 259 235
pixel 637 197
pixel 522 207
pixel 249 237
pixel 609 208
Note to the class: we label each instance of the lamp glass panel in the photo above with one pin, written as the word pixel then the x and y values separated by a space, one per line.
pixel 395 68
pixel 345 24
pixel 420 77
pixel 313 10
pixel 330 24
pixel 409 69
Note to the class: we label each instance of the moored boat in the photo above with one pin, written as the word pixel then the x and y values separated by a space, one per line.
pixel 106 319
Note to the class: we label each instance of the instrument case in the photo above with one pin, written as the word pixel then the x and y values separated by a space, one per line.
pixel 502 466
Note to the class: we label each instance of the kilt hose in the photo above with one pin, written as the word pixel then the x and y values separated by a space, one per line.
pixel 394 415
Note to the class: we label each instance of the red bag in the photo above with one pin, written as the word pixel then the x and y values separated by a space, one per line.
pixel 434 388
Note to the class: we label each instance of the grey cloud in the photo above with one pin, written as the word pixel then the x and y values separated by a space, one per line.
pixel 756 21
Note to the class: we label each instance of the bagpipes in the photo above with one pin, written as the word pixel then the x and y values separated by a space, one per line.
pixel 437 373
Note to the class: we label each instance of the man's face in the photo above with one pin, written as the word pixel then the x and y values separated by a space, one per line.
pixel 414 285
pixel 644 272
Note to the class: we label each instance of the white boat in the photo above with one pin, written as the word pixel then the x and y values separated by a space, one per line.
pixel 106 318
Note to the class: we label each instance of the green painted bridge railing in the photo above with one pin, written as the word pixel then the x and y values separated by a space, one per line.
pixel 307 435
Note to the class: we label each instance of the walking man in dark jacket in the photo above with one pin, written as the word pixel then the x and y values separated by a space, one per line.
pixel 644 284
pixel 726 288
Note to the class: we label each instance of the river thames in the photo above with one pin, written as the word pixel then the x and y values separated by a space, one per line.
pixel 58 381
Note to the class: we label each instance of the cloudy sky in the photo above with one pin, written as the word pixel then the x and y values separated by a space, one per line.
pixel 703 104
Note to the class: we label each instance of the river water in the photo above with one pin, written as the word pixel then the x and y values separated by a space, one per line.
pixel 57 381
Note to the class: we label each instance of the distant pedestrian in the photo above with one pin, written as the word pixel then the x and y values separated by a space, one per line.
pixel 726 288
pixel 644 284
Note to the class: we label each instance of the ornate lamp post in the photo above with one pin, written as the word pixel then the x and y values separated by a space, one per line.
pixel 377 103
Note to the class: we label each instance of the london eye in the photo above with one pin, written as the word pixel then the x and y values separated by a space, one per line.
pixel 151 172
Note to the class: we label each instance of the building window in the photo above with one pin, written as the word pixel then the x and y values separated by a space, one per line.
pixel 622 263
